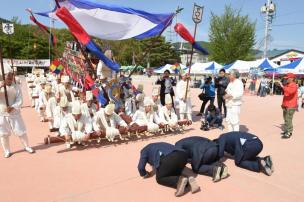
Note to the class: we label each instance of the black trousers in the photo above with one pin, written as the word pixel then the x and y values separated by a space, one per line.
pixel 209 161
pixel 221 103
pixel 205 101
pixel 250 159
pixel 170 168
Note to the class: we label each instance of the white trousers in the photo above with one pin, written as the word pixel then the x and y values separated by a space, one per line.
pixel 5 142
pixel 12 124
pixel 233 118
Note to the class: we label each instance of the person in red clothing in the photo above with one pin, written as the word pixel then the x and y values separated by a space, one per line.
pixel 289 104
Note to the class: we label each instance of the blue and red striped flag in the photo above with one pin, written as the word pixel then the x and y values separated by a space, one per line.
pixel 83 37
pixel 96 92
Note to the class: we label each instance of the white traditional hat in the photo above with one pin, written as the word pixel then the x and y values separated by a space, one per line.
pixel 48 88
pixel 168 99
pixel 76 108
pixel 63 101
pixel 109 110
pixel 155 91
pixel 89 96
pixel 7 68
pixel 42 80
pixel 65 79
pixel 140 88
pixel 140 97
pixel 147 102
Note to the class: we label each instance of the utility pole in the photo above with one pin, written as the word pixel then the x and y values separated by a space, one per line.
pixel 269 10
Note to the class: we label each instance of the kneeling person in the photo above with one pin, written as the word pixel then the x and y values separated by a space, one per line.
pixel 203 154
pixel 245 148
pixel 169 163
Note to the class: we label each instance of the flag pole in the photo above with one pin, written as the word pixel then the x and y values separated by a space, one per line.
pixel 197 18
pixel 3 77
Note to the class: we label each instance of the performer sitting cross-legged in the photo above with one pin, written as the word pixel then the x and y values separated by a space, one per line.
pixel 169 163
pixel 10 117
pixel 245 148
pixel 47 104
pixel 167 114
pixel 146 117
pixel 89 108
pixel 76 127
pixel 110 122
pixel 65 89
pixel 203 154
pixel 60 113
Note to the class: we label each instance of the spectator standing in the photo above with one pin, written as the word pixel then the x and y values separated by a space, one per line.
pixel 221 84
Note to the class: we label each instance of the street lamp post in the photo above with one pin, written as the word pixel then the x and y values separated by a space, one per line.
pixel 269 9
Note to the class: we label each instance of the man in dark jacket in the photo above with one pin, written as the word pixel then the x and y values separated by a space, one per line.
pixel 169 163
pixel 245 148
pixel 221 84
pixel 166 87
pixel 203 155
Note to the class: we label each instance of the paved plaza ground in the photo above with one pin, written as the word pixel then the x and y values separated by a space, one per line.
pixel 109 173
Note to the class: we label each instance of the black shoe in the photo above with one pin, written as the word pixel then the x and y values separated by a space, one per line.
pixel 224 171
pixel 269 163
pixel 283 133
pixel 264 168
pixel 216 176
pixel 199 114
pixel 287 135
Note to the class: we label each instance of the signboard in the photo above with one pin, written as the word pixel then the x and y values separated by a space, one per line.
pixel 197 14
pixel 28 63
pixel 8 28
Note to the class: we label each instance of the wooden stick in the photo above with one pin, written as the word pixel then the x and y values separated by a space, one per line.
pixel 3 77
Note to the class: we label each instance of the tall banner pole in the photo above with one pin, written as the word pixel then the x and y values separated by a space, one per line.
pixel 3 77
pixel 8 28
pixel 197 18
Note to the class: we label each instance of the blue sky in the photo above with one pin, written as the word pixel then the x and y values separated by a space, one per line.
pixel 283 36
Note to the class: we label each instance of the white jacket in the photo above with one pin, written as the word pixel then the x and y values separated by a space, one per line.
pixel 236 90
pixel 168 116
pixel 15 100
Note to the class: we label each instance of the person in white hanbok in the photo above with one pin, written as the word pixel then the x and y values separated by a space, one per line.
pixel 233 97
pixel 89 108
pixel 47 103
pixel 10 117
pixel 146 117
pixel 76 127
pixel 106 120
pixel 167 114
pixel 61 111
pixel 65 89
pixel 185 106
pixel 130 103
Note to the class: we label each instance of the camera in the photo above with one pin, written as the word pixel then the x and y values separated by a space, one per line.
pixel 205 126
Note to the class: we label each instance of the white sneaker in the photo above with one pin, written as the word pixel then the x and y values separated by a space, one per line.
pixel 7 154
pixel 29 150
pixel 68 145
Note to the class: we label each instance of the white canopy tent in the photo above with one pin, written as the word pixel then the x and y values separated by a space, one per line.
pixel 205 68
pixel 169 67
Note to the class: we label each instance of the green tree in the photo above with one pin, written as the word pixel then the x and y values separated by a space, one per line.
pixel 232 36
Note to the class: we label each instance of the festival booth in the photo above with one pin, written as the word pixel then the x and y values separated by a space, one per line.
pixel 265 64
pixel 242 66
pixel 171 68
pixel 296 67
pixel 205 68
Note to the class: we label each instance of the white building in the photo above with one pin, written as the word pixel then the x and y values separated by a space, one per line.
pixel 287 57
